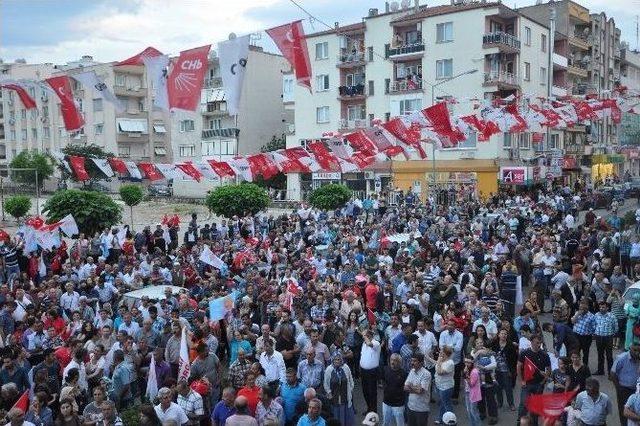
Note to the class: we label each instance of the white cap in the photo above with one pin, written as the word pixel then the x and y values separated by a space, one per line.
pixel 449 418
pixel 371 419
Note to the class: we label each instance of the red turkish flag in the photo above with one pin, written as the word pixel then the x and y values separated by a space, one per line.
pixel 549 406
pixel 292 43
pixel 77 164
pixel 361 142
pixel 118 165
pixel 521 125
pixel 22 402
pixel 362 159
pixel 528 370
pixel 616 113
pixel 222 168
pixel 25 98
pixel 73 120
pixel 150 171
pixel 300 154
pixel 186 77
pixel 392 151
pixel 325 158
pixel 287 164
pixel 400 130
pixel 190 170
pixel 149 52
pixel 261 164
pixel 584 111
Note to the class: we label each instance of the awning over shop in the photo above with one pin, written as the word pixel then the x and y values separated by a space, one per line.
pixel 128 125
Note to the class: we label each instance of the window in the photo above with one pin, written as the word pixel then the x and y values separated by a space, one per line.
pixel 24 134
pixel 187 126
pixel 97 105
pixel 23 114
pixel 187 150
pixel 34 133
pixel 322 50
pixel 387 117
pixel 80 104
pixel 124 151
pixel 12 114
pixel 543 42
pixel 444 68
pixel 141 106
pixel 356 112
pixel 527 71
pixel 98 129
pixel 407 106
pixel 322 114
pixel 322 83
pixel 215 124
pixel 62 132
pixel 543 76
pixel 524 140
pixel 470 142
pixel 46 132
pixel 387 83
pixel 13 135
pixel 444 32
pixel 370 87
pixel 554 142
pixel 32 92
pixel 527 36
pixel 370 53
pixel 506 142
pixel 160 151
pixel 120 80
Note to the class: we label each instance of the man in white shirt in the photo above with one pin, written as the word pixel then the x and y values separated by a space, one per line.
pixel 560 278
pixel 70 300
pixel 489 324
pixel 273 364
pixel 168 411
pixel 426 341
pixel 569 221
pixel 369 363
pixel 418 387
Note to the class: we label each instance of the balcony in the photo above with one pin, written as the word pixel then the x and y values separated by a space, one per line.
pixel 213 82
pixel 405 86
pixel 504 42
pixel 503 80
pixel 559 61
pixel 405 51
pixel 134 137
pixel 139 92
pixel 359 123
pixel 580 41
pixel 212 109
pixel 558 91
pixel 577 68
pixel 352 93
pixel 230 132
pixel 351 60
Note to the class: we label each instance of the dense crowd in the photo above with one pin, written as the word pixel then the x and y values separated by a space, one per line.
pixel 411 308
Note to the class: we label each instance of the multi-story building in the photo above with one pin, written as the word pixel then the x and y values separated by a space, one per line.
pixel 629 129
pixel 262 112
pixel 399 61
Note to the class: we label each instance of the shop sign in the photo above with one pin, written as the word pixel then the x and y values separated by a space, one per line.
pixel 326 176
pixel 569 162
pixel 513 175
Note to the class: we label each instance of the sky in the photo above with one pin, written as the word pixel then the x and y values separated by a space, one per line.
pixel 59 31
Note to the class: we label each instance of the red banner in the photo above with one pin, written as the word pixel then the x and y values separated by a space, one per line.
pixel 326 159
pixel 77 164
pixel 549 406
pixel 400 130
pixel 221 168
pixel 26 100
pixel 73 120
pixel 150 171
pixel 569 162
pixel 186 78
pixel 360 141
pixel 262 165
pixel 118 165
pixel 292 43
pixel 190 171
pixel 529 368
pixel 362 159
pixel 149 52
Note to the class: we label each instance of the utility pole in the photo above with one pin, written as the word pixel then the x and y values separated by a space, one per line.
pixel 552 33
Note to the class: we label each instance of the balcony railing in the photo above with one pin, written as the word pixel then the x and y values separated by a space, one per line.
pixel 230 132
pixel 499 37
pixel 405 86
pixel 496 77
pixel 213 82
pixel 358 123
pixel 350 58
pixel 352 91
pixel 405 49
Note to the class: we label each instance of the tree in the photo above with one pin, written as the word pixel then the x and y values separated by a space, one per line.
pixel 230 200
pixel 131 195
pixel 275 144
pixel 89 152
pixel 18 206
pixel 32 160
pixel 93 211
pixel 330 197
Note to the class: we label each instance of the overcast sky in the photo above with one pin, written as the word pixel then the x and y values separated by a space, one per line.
pixel 63 30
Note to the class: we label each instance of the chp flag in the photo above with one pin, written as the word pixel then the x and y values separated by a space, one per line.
pixel 233 55
pixel 186 78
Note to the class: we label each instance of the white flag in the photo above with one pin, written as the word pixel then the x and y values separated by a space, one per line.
pixel 184 368
pixel 340 148
pixel 347 166
pixel 69 226
pixel 152 380
pixel 42 268
pixel 59 156
pixel 233 56
pixel 168 170
pixel 103 165
pixel 122 235
pixel 242 168
pixel 157 70
pixel 206 170
pixel 208 257
pixel 133 170
pixel 90 80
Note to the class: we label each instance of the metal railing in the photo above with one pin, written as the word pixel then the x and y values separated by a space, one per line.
pixel 405 86
pixel 501 77
pixel 230 132
pixel 357 123
pixel 213 82
pixel 347 58
pixel 499 37
pixel 355 90
pixel 406 48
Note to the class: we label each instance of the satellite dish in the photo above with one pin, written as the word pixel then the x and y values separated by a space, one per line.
pixel 232 36
pixel 393 6
pixel 405 4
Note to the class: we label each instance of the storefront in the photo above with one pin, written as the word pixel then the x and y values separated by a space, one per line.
pixel 465 178
pixel 606 165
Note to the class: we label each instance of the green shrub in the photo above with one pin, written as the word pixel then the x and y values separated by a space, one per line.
pixel 93 211
pixel 230 200
pixel 330 197
pixel 17 206
pixel 131 195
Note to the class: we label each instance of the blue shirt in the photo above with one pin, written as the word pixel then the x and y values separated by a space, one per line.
pixel 626 369
pixel 593 412
pixel 454 341
pixel 605 324
pixel 306 421
pixel 585 325
pixel 291 396
pixel 222 412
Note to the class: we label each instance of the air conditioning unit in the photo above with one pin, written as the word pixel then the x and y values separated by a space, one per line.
pixel 369 175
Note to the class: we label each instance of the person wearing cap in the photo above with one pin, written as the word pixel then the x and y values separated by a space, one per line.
pixel 372 419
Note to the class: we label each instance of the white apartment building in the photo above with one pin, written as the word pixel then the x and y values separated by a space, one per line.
pixel 388 65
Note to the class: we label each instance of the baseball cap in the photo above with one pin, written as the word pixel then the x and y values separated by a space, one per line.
pixel 371 419
pixel 449 418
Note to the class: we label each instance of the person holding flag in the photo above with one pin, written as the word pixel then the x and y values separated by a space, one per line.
pixel 535 366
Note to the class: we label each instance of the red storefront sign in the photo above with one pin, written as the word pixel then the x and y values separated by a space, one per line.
pixel 513 175
pixel 569 162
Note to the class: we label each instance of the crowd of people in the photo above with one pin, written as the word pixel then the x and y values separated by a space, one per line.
pixel 395 313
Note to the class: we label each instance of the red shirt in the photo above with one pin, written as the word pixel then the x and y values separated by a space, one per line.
pixel 63 355
pixel 371 295
pixel 252 397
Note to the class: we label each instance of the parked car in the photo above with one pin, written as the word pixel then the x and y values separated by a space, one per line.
pixel 160 190
pixel 96 186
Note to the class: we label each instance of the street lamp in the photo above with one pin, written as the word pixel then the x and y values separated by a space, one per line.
pixel 433 143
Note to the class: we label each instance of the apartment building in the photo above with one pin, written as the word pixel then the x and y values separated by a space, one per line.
pixel 629 129
pixel 404 59
pixel 262 112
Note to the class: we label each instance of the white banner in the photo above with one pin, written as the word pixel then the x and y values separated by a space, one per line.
pixel 242 169
pixel 69 226
pixel 90 80
pixel 103 165
pixel 208 257
pixel 168 170
pixel 206 170
pixel 157 70
pixel 133 170
pixel 233 56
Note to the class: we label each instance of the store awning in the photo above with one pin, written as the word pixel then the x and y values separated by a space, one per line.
pixel 159 150
pixel 127 125
pixel 159 128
